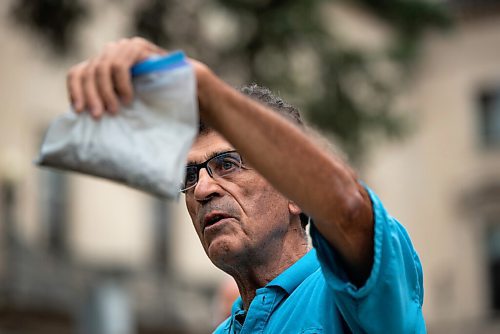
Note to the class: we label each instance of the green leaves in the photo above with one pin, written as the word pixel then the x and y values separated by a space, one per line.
pixel 292 46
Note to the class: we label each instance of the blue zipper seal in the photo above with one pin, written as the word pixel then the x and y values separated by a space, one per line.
pixel 159 63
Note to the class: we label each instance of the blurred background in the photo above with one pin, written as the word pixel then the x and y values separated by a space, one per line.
pixel 410 90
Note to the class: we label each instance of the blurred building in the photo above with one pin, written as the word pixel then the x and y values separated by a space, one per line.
pixel 83 255
pixel 443 181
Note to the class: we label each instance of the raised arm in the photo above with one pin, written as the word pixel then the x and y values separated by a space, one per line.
pixel 321 184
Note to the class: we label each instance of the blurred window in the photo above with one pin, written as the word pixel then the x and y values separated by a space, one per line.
pixel 490 118
pixel 493 244
pixel 54 210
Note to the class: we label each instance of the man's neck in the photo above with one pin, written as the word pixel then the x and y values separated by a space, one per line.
pixel 258 274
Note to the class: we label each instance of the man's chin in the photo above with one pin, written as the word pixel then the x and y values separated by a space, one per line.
pixel 223 251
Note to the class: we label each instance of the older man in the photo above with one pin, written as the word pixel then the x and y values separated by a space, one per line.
pixel 251 177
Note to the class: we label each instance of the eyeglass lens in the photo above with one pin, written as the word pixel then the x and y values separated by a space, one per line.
pixel 218 166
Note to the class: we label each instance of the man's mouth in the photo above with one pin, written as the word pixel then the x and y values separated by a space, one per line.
pixel 213 218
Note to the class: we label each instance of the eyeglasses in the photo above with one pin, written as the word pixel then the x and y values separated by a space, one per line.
pixel 221 165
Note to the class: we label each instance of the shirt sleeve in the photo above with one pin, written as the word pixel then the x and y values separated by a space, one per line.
pixel 391 299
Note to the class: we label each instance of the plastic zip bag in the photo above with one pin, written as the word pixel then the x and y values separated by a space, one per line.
pixel 145 145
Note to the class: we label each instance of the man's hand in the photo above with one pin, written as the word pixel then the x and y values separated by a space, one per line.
pixel 102 83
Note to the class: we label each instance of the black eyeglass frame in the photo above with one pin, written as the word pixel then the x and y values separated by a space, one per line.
pixel 204 164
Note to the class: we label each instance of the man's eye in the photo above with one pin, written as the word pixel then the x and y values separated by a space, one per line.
pixel 228 164
pixel 224 164
pixel 190 176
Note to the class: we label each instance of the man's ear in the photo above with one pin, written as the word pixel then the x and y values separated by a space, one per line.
pixel 294 208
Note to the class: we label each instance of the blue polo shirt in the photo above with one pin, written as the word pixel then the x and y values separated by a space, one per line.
pixel 314 295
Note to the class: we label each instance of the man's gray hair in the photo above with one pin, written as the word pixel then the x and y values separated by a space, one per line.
pixel 264 95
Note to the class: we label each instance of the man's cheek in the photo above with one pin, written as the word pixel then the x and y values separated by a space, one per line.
pixel 190 209
pixel 192 215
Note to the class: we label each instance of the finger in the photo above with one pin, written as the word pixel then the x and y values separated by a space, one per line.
pixel 74 87
pixel 155 49
pixel 147 47
pixel 92 99
pixel 113 60
pixel 125 54
pixel 121 70
pixel 122 81
pixel 141 50
pixel 105 86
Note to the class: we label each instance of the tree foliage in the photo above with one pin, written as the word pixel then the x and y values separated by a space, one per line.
pixel 286 45
pixel 54 20
pixel 280 42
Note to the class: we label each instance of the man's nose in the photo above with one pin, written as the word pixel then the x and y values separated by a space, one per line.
pixel 206 187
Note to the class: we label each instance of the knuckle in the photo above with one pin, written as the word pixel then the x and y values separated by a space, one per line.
pixel 138 40
pixel 124 40
pixel 110 45
pixel 87 76
pixel 101 69
pixel 88 72
pixel 74 72
pixel 118 66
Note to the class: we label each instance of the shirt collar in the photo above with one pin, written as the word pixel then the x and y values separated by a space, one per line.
pixel 237 305
pixel 290 279
pixel 235 310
